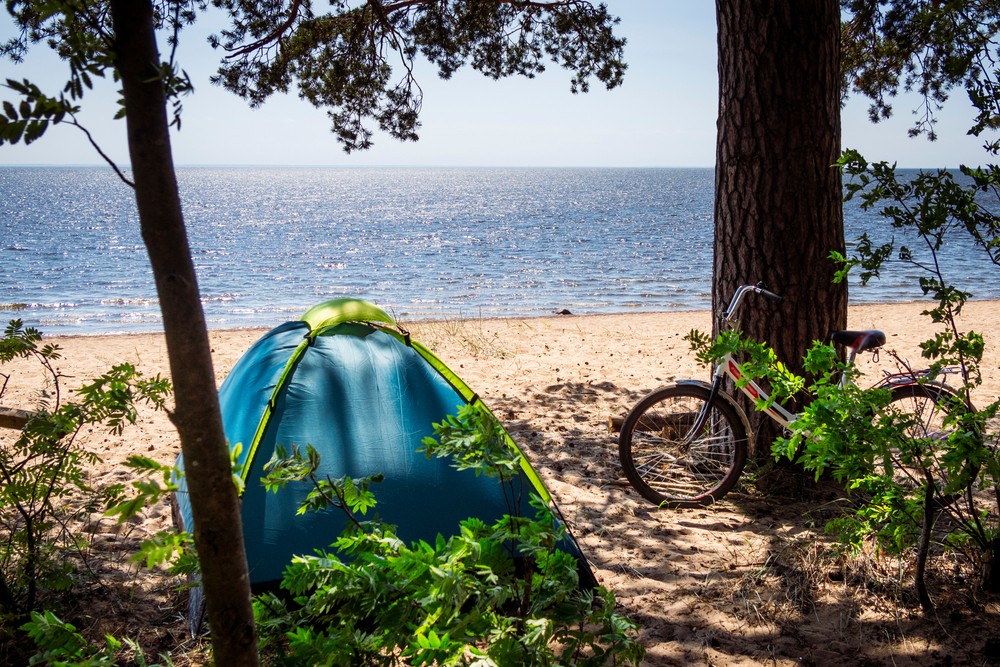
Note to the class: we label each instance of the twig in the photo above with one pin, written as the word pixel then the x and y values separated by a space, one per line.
pixel 97 148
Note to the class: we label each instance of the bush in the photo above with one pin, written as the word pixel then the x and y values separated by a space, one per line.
pixel 910 488
pixel 490 595
pixel 44 485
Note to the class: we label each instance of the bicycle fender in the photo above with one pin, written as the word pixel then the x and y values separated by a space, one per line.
pixel 732 403
pixel 904 380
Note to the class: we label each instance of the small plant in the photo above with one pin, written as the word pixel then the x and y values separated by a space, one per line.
pixel 854 436
pixel 60 645
pixel 172 547
pixel 43 475
pixel 489 595
pixel 913 484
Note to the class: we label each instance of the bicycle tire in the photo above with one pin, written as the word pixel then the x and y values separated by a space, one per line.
pixel 928 407
pixel 671 469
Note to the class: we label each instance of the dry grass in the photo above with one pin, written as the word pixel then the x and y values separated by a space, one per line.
pixel 472 336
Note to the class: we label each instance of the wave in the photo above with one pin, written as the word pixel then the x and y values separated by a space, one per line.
pixel 15 307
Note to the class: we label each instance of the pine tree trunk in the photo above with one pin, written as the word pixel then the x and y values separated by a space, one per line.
pixel 214 503
pixel 778 212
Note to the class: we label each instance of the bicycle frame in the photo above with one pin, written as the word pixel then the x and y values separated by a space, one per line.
pixel 729 367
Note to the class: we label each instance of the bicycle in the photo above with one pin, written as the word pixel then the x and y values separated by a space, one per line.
pixel 685 445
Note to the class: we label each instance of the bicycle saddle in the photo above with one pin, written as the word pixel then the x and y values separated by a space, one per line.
pixel 859 341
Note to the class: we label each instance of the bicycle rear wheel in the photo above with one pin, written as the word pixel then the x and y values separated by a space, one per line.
pixel 924 409
pixel 671 465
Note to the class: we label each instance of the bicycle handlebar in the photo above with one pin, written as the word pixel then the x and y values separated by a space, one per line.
pixel 760 288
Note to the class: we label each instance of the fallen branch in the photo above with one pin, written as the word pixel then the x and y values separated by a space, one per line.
pixel 14 418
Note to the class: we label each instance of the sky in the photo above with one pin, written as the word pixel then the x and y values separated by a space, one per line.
pixel 662 116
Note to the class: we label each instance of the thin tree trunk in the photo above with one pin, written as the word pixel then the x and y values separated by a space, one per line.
pixel 991 569
pixel 778 212
pixel 8 605
pixel 924 547
pixel 214 503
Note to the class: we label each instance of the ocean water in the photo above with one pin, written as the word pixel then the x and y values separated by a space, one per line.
pixel 422 243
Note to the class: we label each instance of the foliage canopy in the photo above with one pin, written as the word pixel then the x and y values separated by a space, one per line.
pixel 355 59
pixel 929 48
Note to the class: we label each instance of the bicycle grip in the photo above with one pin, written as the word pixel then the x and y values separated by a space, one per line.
pixel 761 288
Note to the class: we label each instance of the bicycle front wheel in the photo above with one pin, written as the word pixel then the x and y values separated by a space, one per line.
pixel 667 461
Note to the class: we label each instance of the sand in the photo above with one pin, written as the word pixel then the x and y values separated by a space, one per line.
pixel 745 582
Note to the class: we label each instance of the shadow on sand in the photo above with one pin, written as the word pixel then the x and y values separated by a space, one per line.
pixel 752 580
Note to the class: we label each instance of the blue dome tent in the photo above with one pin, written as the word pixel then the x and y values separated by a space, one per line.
pixel 350 382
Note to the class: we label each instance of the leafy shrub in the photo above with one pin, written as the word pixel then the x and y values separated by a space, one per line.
pixel 926 212
pixel 902 477
pixel 43 474
pixel 490 595
pixel 910 489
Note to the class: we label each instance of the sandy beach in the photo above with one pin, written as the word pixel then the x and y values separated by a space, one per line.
pixel 725 585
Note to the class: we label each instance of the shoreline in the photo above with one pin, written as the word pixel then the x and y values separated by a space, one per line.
pixel 418 323
pixel 498 358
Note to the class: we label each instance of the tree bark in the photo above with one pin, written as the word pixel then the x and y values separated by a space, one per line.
pixel 778 211
pixel 218 532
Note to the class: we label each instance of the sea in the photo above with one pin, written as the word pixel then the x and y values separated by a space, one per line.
pixel 422 243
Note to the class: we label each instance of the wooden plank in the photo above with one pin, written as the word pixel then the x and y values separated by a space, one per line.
pixel 14 418
pixel 674 425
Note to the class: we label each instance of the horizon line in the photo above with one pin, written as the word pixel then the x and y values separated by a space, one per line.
pixel 290 165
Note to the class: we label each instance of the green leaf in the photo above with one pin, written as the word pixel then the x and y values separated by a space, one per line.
pixel 144 463
pixel 14 131
pixel 127 509
pixel 162 548
pixel 34 131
